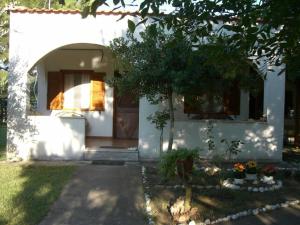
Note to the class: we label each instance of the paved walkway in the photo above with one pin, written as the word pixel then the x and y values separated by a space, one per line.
pixel 100 195
pixel 284 216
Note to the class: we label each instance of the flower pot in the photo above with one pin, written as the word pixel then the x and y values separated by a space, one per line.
pixel 251 176
pixel 184 167
pixel 238 181
pixel 268 179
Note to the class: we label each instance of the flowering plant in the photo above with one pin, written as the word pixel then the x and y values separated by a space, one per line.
pixel 269 170
pixel 239 170
pixel 251 167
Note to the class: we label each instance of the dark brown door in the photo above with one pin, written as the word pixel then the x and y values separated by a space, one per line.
pixel 126 117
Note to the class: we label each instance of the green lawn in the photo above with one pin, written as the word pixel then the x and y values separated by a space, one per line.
pixel 27 192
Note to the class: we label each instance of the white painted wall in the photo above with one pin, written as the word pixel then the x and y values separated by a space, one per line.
pixel 262 140
pixel 33 36
pixel 51 137
pixel 100 123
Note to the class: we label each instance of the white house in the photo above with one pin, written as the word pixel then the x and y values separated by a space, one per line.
pixel 78 116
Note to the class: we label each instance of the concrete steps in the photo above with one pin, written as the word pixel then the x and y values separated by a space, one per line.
pixel 112 154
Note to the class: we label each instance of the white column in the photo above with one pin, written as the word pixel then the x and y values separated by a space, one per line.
pixel 17 126
pixel 42 88
pixel 274 95
pixel 148 134
pixel 244 105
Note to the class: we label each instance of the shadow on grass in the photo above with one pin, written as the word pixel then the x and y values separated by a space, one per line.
pixel 94 195
pixel 27 192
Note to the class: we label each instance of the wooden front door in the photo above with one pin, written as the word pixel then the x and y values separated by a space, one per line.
pixel 126 116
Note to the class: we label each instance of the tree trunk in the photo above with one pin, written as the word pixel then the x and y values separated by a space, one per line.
pixel 161 142
pixel 171 112
pixel 188 197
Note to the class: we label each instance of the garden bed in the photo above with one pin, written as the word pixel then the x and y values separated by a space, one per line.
pixel 213 202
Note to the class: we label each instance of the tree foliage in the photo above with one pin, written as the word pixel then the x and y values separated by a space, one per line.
pixel 265 28
pixel 158 65
pixel 153 66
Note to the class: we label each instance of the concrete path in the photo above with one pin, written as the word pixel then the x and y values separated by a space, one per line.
pixel 284 216
pixel 100 195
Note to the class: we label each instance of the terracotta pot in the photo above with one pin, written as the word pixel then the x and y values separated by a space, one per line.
pixel 184 167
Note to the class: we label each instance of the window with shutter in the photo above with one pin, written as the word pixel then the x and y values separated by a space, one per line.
pixel 76 90
pixel 55 98
pixel 97 92
pixel 214 105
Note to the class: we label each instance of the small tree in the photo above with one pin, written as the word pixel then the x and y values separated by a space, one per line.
pixel 160 119
pixel 153 66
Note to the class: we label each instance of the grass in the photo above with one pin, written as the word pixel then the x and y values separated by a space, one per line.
pixel 213 203
pixel 27 192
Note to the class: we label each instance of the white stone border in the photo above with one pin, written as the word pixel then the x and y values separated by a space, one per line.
pixel 216 169
pixel 229 217
pixel 147 197
pixel 231 185
pixel 248 212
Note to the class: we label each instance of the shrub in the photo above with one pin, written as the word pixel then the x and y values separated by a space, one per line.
pixel 167 166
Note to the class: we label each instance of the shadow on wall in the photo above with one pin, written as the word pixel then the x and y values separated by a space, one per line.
pixel 18 126
pixel 259 140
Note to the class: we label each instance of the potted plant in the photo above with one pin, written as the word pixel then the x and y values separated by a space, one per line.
pixel 185 162
pixel 239 173
pixel 251 170
pixel 180 162
pixel 268 174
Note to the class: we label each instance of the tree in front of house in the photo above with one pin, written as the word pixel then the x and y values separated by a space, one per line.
pixel 265 28
pixel 160 66
pixel 152 66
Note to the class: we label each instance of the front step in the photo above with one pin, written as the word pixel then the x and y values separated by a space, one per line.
pixel 113 154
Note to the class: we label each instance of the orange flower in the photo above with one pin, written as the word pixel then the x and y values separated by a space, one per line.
pixel 239 167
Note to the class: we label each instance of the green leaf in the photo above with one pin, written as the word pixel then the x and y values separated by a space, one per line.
pixel 116 2
pixel 85 12
pixel 143 4
pixel 123 3
pixel 95 6
pixel 131 26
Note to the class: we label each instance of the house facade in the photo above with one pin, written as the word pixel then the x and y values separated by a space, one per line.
pixel 76 110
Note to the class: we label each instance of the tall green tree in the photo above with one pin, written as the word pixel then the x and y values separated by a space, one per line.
pixel 264 28
pixel 152 67
pixel 162 65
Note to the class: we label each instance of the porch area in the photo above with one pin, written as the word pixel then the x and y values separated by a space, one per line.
pixel 108 148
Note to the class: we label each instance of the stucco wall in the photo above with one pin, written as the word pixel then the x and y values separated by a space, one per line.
pixel 50 137
pixel 262 140
pixel 33 36
pixel 100 123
